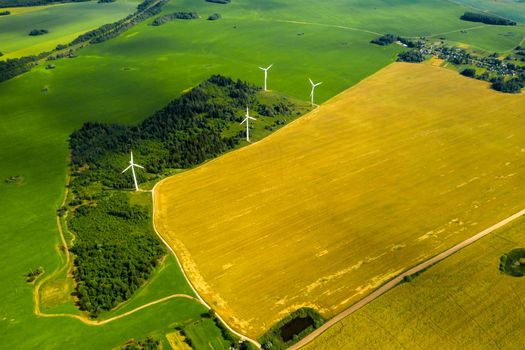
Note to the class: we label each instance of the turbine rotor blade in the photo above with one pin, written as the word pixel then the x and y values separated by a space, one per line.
pixel 244 121
pixel 126 169
pixel 270 66
pixel 311 82
pixel 139 166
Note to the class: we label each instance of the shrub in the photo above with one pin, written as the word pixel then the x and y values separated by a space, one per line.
pixel 469 72
pixel 214 17
pixel 35 32
pixel 411 56
pixel 176 15
pixel 385 40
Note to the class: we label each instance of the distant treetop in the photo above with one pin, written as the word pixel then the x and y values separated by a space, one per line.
pixel 487 19
pixel 224 2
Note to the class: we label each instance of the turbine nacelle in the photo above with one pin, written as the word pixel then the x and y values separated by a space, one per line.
pixel 266 74
pixel 132 166
pixel 314 85
pixel 247 121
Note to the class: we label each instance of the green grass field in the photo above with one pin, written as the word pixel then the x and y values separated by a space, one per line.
pixel 65 22
pixel 125 80
pixel 513 9
pixel 463 302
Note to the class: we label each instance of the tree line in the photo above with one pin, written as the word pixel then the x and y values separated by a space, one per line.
pixel 487 19
pixel 112 30
pixel 171 16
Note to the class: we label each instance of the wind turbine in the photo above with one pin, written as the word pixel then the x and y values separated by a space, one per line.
pixel 266 74
pixel 132 166
pixel 313 89
pixel 247 120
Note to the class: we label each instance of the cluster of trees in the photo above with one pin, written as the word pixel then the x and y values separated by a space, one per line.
pixel 112 30
pixel 468 72
pixel 23 3
pixel 105 1
pixel 35 32
pixel 115 251
pixel 171 16
pixel 186 132
pixel 487 19
pixel 32 275
pixel 214 17
pixel 10 68
pixel 385 40
pixel 148 343
pixel 272 340
pixel 145 4
pixel 224 2
pixel 511 85
pixel 513 263
pixel 412 56
pixel 389 39
pixel 5 13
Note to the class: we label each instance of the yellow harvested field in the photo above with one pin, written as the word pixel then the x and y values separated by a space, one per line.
pixel 464 302
pixel 392 171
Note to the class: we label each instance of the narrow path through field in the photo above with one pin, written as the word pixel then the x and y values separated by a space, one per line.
pixel 394 282
pixel 325 25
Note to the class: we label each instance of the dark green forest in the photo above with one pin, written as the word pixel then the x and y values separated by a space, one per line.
pixel 116 250
pixel 487 19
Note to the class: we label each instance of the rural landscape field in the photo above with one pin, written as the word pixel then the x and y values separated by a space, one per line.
pixel 161 191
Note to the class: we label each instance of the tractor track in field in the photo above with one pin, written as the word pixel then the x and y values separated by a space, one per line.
pixel 326 25
pixel 395 281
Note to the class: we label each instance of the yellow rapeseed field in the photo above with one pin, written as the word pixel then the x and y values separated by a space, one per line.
pixel 390 172
pixel 463 302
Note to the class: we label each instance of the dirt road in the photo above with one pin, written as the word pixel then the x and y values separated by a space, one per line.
pixel 394 282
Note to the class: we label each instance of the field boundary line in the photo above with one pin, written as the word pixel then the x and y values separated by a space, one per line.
pixel 127 313
pixel 325 25
pixel 396 280
pixel 199 297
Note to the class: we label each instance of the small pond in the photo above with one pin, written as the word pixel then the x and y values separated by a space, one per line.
pixel 295 327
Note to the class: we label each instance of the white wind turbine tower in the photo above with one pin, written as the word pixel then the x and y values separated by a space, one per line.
pixel 247 120
pixel 132 166
pixel 266 74
pixel 313 89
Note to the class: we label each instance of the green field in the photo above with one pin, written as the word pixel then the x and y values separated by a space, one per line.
pixel 126 79
pixel 65 22
pixel 512 9
pixel 464 302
